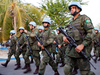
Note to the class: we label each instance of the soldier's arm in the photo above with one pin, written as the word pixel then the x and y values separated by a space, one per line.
pixel 88 26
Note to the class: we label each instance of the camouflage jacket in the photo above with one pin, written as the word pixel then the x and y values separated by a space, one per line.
pixel 82 35
pixel 97 39
pixel 60 40
pixel 23 41
pixel 48 38
pixel 13 42
pixel 32 40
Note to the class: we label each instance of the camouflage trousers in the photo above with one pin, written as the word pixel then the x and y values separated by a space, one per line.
pixel 46 60
pixel 10 54
pixel 24 52
pixel 97 51
pixel 83 65
pixel 36 57
pixel 59 55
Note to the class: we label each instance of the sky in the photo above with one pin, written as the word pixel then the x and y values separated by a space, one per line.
pixel 91 10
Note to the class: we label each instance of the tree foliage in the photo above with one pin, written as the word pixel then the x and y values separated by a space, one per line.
pixel 58 11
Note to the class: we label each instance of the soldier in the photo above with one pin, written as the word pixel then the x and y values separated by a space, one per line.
pixel 12 49
pixel 96 47
pixel 60 42
pixel 23 48
pixel 47 39
pixel 34 46
pixel 53 50
pixel 41 28
pixel 80 29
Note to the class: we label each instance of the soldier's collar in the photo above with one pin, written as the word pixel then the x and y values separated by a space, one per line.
pixel 76 18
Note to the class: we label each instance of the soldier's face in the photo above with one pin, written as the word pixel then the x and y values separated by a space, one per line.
pixel 73 9
pixel 40 30
pixel 21 30
pixel 31 26
pixel 57 31
pixel 96 31
pixel 45 24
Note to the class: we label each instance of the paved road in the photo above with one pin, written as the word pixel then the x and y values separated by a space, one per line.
pixel 9 70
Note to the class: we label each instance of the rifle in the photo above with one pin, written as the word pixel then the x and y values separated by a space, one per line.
pixel 18 45
pixel 72 43
pixel 59 48
pixel 29 46
pixel 96 43
pixel 44 48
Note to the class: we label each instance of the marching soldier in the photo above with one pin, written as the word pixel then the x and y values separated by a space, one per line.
pixel 47 39
pixel 22 50
pixel 12 49
pixel 80 29
pixel 96 47
pixel 34 46
pixel 60 42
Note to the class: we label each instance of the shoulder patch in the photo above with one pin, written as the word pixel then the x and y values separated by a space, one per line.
pixel 88 21
pixel 52 32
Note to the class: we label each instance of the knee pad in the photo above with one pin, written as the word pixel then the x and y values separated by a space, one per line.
pixel 67 70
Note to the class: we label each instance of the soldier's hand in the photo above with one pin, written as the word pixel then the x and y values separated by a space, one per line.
pixel 92 41
pixel 65 39
pixel 17 43
pixel 42 47
pixel 59 46
pixel 39 44
pixel 79 48
pixel 54 42
pixel 27 43
pixel 21 47
pixel 25 31
pixel 63 44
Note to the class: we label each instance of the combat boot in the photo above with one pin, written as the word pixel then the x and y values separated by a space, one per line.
pixel 25 66
pixel 15 64
pixel 18 66
pixel 36 71
pixel 99 59
pixel 56 72
pixel 57 64
pixel 28 69
pixel 39 74
pixel 75 71
pixel 5 64
pixel 95 60
pixel 62 65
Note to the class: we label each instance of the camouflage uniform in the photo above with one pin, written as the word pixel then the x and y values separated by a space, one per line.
pixel 34 46
pixel 59 54
pixel 53 50
pixel 96 47
pixel 22 42
pixel 82 35
pixel 12 49
pixel 47 39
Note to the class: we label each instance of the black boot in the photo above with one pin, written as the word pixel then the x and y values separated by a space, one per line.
pixel 28 69
pixel 36 70
pixel 57 64
pixel 62 65
pixel 5 64
pixel 18 66
pixel 75 71
pixel 99 59
pixel 95 60
pixel 56 72
pixel 39 74
pixel 25 66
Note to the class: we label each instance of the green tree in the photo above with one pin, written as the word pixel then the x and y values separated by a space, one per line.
pixel 58 11
pixel 14 14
